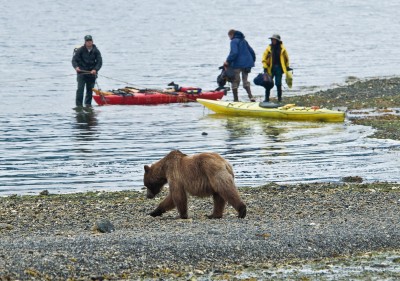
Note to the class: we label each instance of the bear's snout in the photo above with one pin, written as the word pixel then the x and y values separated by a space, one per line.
pixel 150 195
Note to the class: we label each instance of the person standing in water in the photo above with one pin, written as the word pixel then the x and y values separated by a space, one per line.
pixel 241 58
pixel 275 61
pixel 87 62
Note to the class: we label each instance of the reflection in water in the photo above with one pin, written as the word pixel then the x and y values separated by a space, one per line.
pixel 85 117
pixel 238 127
pixel 272 132
pixel 86 123
pixel 243 130
pixel 251 143
pixel 274 140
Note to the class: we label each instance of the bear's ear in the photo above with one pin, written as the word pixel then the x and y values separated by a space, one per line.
pixel 146 168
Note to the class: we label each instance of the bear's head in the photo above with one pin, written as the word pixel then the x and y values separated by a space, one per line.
pixel 153 180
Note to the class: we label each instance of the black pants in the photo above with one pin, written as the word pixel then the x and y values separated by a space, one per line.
pixel 88 80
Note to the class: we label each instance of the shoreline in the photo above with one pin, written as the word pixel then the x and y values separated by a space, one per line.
pixel 52 236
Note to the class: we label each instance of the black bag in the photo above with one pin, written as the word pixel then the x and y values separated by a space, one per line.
pixel 221 81
pixel 259 80
pixel 264 80
pixel 229 74
pixel 226 75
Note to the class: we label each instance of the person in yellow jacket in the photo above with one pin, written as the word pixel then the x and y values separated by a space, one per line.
pixel 275 61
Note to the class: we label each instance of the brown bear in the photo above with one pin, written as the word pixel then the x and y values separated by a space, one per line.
pixel 204 174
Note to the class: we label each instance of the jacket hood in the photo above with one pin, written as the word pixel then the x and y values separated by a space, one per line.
pixel 238 35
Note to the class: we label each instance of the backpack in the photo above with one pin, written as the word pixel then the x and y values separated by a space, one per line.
pixel 264 80
pixel 77 47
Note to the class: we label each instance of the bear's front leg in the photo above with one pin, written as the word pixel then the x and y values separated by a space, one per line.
pixel 157 212
pixel 166 205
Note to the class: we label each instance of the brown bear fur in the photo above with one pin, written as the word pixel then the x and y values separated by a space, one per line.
pixel 202 175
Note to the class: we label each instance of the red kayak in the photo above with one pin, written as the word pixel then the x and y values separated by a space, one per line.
pixel 134 96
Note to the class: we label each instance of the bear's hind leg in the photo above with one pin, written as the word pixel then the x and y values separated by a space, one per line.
pixel 219 206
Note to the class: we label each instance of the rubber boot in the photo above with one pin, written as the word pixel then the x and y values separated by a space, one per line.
pixel 248 90
pixel 267 92
pixel 279 88
pixel 235 94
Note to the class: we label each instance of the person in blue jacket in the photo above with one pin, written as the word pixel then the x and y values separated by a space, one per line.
pixel 241 58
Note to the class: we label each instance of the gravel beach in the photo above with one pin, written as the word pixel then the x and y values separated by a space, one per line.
pixel 53 237
pixel 291 232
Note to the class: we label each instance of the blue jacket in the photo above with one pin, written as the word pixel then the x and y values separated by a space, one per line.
pixel 241 54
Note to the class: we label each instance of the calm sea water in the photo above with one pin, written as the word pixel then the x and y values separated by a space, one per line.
pixel 46 144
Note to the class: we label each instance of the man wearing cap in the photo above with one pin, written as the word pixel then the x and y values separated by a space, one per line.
pixel 241 58
pixel 87 62
pixel 275 61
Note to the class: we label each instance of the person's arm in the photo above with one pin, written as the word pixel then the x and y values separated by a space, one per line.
pixel 99 61
pixel 233 53
pixel 266 57
pixel 253 54
pixel 286 57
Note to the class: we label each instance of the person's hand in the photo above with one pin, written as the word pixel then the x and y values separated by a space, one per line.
pixel 93 72
pixel 78 69
pixel 226 64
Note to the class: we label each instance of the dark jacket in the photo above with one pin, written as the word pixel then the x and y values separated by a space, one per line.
pixel 241 54
pixel 87 60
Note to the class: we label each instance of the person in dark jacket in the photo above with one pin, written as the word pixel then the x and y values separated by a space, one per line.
pixel 241 58
pixel 87 62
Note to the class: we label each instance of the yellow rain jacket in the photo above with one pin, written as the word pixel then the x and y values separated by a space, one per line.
pixel 267 59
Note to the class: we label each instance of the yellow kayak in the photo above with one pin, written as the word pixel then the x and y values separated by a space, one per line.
pixel 288 112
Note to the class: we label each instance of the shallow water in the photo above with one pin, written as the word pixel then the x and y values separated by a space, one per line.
pixel 105 148
pixel 46 144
